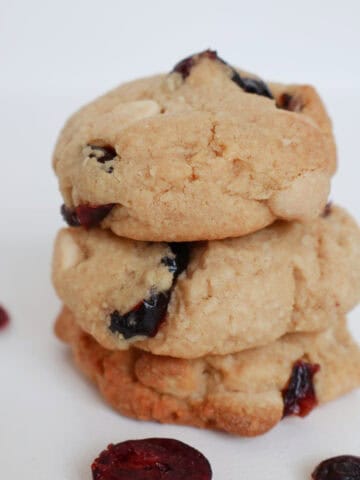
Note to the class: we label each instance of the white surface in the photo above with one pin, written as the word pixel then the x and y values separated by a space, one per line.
pixel 53 57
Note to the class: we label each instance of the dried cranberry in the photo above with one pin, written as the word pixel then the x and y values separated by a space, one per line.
pixel 151 459
pixel 178 263
pixel 344 467
pixel 144 319
pixel 92 215
pixel 249 85
pixel 184 66
pixel 293 103
pixel 69 215
pixel 102 154
pixel 4 318
pixel 327 210
pixel 86 215
pixel 299 395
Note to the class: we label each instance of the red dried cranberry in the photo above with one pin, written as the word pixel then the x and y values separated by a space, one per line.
pixel 102 154
pixel 69 215
pixel 179 262
pixel 184 66
pixel 344 467
pixel 86 215
pixel 299 395
pixel 92 215
pixel 144 319
pixel 249 85
pixel 151 459
pixel 290 102
pixel 327 210
pixel 4 318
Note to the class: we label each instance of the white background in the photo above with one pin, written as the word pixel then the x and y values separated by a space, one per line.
pixel 54 56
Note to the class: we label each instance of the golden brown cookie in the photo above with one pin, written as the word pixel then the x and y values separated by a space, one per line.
pixel 246 393
pixel 218 297
pixel 202 153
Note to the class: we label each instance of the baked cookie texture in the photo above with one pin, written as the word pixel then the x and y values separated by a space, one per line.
pixel 195 157
pixel 240 393
pixel 235 294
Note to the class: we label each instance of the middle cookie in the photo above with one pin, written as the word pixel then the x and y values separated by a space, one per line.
pixel 188 300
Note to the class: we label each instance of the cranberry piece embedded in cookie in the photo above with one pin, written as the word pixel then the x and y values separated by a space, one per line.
pixel 327 210
pixel 299 395
pixel 92 215
pixel 102 154
pixel 151 459
pixel 184 66
pixel 85 215
pixel 344 467
pixel 251 85
pixel 69 215
pixel 4 318
pixel 144 319
pixel 179 262
pixel 293 103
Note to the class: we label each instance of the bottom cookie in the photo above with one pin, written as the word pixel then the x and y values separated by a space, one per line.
pixel 246 393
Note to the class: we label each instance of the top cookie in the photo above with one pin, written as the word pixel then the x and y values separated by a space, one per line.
pixel 205 152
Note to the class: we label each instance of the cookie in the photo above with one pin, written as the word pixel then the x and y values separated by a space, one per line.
pixel 188 300
pixel 205 152
pixel 245 394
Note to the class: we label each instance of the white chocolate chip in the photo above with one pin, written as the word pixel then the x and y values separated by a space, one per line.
pixel 107 126
pixel 70 252
pixel 137 110
pixel 303 199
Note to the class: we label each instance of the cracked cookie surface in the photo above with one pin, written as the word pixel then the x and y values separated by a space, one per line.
pixel 240 393
pixel 196 157
pixel 232 294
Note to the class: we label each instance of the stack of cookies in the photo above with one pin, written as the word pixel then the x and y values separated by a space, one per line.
pixel 204 277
